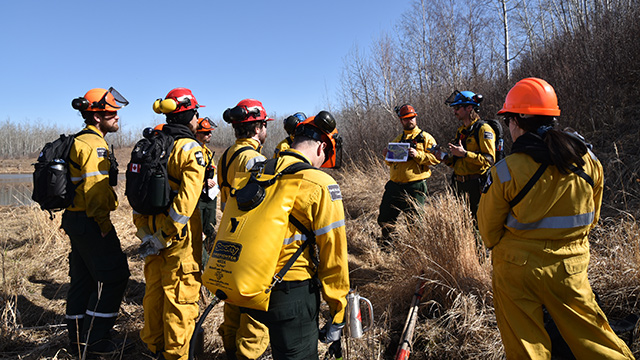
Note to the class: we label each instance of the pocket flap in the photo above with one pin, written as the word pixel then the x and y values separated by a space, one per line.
pixel 576 264
pixel 189 267
pixel 516 257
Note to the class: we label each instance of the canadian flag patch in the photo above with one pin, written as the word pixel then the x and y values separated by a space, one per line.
pixel 134 168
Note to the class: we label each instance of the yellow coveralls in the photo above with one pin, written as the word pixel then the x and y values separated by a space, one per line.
pixel 540 257
pixel 319 208
pixel 474 163
pixel 241 334
pixel 285 144
pixel 407 179
pixel 93 258
pixel 173 277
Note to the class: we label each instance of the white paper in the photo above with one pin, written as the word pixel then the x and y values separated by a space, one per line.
pixel 397 152
pixel 213 191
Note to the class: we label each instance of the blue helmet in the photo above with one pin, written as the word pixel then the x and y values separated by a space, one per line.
pixel 464 98
pixel 292 121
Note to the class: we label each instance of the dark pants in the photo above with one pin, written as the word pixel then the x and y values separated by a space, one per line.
pixel 99 273
pixel 292 319
pixel 395 200
pixel 208 214
pixel 471 189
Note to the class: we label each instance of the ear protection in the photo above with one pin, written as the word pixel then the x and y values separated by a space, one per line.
pixel 240 114
pixel 165 106
pixel 80 103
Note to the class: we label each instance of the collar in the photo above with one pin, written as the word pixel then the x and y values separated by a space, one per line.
pixel 251 142
pixel 416 130
pixel 95 130
pixel 295 154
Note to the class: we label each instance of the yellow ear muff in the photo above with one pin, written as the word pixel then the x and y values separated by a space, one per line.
pixel 156 106
pixel 165 106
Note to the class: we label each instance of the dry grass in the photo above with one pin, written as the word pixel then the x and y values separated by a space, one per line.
pixel 456 315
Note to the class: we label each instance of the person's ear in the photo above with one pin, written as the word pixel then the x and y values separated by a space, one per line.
pixel 321 148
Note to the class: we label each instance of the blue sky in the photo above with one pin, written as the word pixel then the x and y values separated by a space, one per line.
pixel 287 54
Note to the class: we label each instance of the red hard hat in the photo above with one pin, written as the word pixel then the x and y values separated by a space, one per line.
pixel 177 100
pixel 531 96
pixel 406 111
pixel 246 110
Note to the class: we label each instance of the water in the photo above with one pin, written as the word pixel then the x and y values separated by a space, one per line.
pixel 16 189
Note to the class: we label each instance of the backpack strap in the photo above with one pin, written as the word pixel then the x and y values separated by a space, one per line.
pixel 580 172
pixel 85 131
pixel 527 187
pixel 311 240
pixel 224 164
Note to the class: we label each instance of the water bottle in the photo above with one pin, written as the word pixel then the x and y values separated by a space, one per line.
pixel 157 192
pixel 354 326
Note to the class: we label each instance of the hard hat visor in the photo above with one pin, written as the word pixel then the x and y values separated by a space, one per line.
pixel 111 101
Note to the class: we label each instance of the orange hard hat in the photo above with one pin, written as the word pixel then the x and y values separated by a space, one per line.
pixel 531 96
pixel 98 99
pixel 322 127
pixel 406 111
pixel 205 125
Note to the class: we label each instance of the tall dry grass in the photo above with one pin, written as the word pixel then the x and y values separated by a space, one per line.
pixel 456 316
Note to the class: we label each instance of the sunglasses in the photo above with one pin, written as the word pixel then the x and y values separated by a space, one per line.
pixel 206 133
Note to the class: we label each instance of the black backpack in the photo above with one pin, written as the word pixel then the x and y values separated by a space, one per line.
pixel 499 140
pixel 53 189
pixel 147 177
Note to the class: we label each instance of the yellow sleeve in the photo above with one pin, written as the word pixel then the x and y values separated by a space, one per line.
pixel 424 156
pixel 487 146
pixel 492 212
pixel 189 166
pixel 331 238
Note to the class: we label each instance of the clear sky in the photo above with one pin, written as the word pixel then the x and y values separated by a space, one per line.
pixel 287 54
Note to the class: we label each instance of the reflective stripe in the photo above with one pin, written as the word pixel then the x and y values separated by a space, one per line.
pixel 255 160
pixel 554 222
pixel 135 212
pixel 73 317
pixel 593 156
pixel 321 231
pixel 101 315
pixel 181 219
pixel 503 171
pixel 190 145
pixel 95 173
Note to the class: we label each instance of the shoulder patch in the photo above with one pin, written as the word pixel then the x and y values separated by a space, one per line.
pixel 200 158
pixel 487 183
pixel 102 152
pixel 488 135
pixel 334 191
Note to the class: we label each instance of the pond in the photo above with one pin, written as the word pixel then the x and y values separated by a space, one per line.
pixel 16 189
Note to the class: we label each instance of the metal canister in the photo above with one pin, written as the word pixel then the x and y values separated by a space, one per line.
pixel 354 326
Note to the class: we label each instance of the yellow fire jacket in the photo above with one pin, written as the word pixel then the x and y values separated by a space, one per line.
pixel 244 162
pixel 416 168
pixel 186 163
pixel 557 207
pixel 285 144
pixel 94 195
pixel 319 208
pixel 474 162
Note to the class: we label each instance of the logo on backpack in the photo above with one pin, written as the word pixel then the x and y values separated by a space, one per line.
pixel 147 186
pixel 53 189
pixel 498 140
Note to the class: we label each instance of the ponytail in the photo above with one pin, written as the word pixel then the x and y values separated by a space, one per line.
pixel 565 149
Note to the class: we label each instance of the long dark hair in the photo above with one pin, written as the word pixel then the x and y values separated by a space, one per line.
pixel 565 149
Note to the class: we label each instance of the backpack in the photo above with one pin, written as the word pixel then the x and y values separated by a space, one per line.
pixel 147 186
pixel 247 247
pixel 499 140
pixel 53 189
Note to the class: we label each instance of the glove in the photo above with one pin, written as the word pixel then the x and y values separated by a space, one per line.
pixel 330 332
pixel 151 245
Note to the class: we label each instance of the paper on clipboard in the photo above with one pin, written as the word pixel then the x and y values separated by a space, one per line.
pixel 397 152
pixel 213 191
